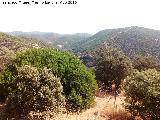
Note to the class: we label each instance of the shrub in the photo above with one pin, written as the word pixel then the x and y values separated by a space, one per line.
pixel 141 62
pixel 5 84
pixel 35 90
pixel 143 93
pixel 75 77
pixel 111 64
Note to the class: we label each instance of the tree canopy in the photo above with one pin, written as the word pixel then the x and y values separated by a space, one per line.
pixel 111 64
pixel 143 94
pixel 144 62
pixel 78 82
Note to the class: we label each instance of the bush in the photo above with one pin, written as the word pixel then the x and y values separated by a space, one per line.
pixel 77 81
pixel 5 84
pixel 111 64
pixel 35 90
pixel 141 62
pixel 143 94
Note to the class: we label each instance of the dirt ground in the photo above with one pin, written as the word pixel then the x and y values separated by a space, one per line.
pixel 104 109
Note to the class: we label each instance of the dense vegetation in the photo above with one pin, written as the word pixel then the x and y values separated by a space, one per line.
pixel 141 62
pixel 143 94
pixel 42 36
pixel 111 64
pixel 131 40
pixel 9 45
pixel 66 41
pixel 78 82
pixel 35 90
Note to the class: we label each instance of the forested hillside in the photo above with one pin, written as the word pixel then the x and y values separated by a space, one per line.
pixel 42 36
pixel 69 41
pixel 9 45
pixel 131 40
pixel 62 41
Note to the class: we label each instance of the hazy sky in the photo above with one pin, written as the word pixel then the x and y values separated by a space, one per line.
pixel 88 16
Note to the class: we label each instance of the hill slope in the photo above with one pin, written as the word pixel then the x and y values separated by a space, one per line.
pixel 65 41
pixel 132 40
pixel 9 45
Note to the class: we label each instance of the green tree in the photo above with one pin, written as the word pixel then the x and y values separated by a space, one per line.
pixel 35 90
pixel 143 94
pixel 6 83
pixel 111 64
pixel 141 62
pixel 78 82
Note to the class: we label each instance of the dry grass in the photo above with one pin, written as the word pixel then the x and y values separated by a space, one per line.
pixel 105 109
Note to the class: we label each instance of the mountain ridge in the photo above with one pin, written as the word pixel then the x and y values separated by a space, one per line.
pixel 54 39
pixel 131 40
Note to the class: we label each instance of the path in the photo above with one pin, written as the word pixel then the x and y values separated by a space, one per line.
pixel 101 111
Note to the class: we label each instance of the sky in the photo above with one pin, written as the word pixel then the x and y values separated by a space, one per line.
pixel 86 16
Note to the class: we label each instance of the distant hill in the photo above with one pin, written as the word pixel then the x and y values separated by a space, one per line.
pixel 132 40
pixel 69 41
pixel 65 41
pixel 42 36
pixel 9 45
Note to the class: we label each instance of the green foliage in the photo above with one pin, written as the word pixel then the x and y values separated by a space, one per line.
pixel 141 62
pixel 74 76
pixel 35 90
pixel 97 39
pixel 131 40
pixel 68 41
pixel 9 45
pixel 143 93
pixel 6 79
pixel 71 40
pixel 111 64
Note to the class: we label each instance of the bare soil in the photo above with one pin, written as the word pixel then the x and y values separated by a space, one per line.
pixel 106 108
